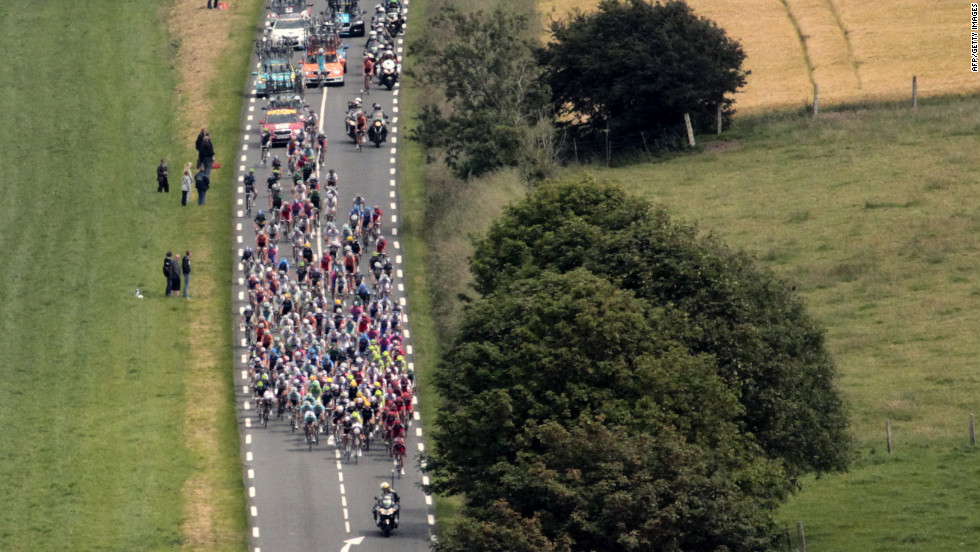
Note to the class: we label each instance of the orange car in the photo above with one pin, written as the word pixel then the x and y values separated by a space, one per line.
pixel 334 67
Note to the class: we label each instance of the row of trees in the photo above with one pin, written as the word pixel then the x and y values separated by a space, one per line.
pixel 624 383
pixel 630 66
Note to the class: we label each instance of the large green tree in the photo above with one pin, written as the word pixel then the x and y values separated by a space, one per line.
pixel 495 101
pixel 633 66
pixel 568 399
pixel 766 348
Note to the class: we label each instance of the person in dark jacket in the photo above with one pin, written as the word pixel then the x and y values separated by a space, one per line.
pixel 175 275
pixel 167 265
pixel 163 185
pixel 185 268
pixel 203 184
pixel 205 153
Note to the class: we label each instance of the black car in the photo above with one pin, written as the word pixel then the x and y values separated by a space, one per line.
pixel 349 16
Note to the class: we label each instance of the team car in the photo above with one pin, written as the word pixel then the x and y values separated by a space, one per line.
pixel 283 119
pixel 334 66
pixel 289 30
pixel 286 8
pixel 275 76
pixel 350 17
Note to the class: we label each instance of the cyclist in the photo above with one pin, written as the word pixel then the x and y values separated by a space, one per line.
pixel 361 125
pixel 368 68
pixel 250 194
pixel 321 144
pixel 260 221
pixel 266 144
pixel 332 178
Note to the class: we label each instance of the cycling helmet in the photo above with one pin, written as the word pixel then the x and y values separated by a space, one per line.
pixel 357 100
pixel 385 486
pixel 376 105
pixel 251 170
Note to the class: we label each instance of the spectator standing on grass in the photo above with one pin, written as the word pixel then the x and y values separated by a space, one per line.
pixel 185 184
pixel 206 154
pixel 163 185
pixel 202 183
pixel 167 265
pixel 185 268
pixel 175 275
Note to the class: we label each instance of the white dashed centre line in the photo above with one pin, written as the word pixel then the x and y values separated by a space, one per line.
pixel 255 511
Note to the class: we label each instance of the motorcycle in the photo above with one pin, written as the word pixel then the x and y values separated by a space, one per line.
pixel 389 73
pixel 351 124
pixel 394 23
pixel 377 132
pixel 386 514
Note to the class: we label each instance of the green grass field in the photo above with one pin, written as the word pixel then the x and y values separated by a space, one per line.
pixel 872 212
pixel 95 382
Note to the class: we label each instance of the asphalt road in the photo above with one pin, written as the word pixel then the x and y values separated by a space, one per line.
pixel 300 499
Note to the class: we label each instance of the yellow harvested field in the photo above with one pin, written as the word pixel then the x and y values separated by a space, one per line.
pixel 856 50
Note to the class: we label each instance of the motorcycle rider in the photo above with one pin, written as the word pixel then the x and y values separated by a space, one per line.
pixel 386 490
pixel 378 113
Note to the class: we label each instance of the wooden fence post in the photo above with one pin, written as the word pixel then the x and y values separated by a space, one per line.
pixel 799 533
pixel 608 151
pixel 915 93
pixel 718 119
pixel 575 147
pixel 973 436
pixel 690 130
pixel 816 99
pixel 888 434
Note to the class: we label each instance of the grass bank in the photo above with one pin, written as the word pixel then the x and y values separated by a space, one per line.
pixel 95 421
pixel 871 211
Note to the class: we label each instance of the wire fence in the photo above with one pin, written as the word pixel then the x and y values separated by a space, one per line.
pixel 607 145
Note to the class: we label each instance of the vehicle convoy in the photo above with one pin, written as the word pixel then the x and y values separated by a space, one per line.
pixel 283 119
pixel 289 30
pixel 287 8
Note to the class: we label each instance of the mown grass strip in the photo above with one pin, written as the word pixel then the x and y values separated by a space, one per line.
pixel 91 452
pixel 96 382
pixel 213 92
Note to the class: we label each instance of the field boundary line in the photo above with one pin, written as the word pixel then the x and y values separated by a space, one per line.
pixel 802 39
pixel 847 40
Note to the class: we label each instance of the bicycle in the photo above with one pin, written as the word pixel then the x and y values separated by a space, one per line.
pixel 360 138
pixel 346 446
pixel 399 464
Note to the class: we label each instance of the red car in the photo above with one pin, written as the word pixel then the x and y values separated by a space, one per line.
pixel 283 120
